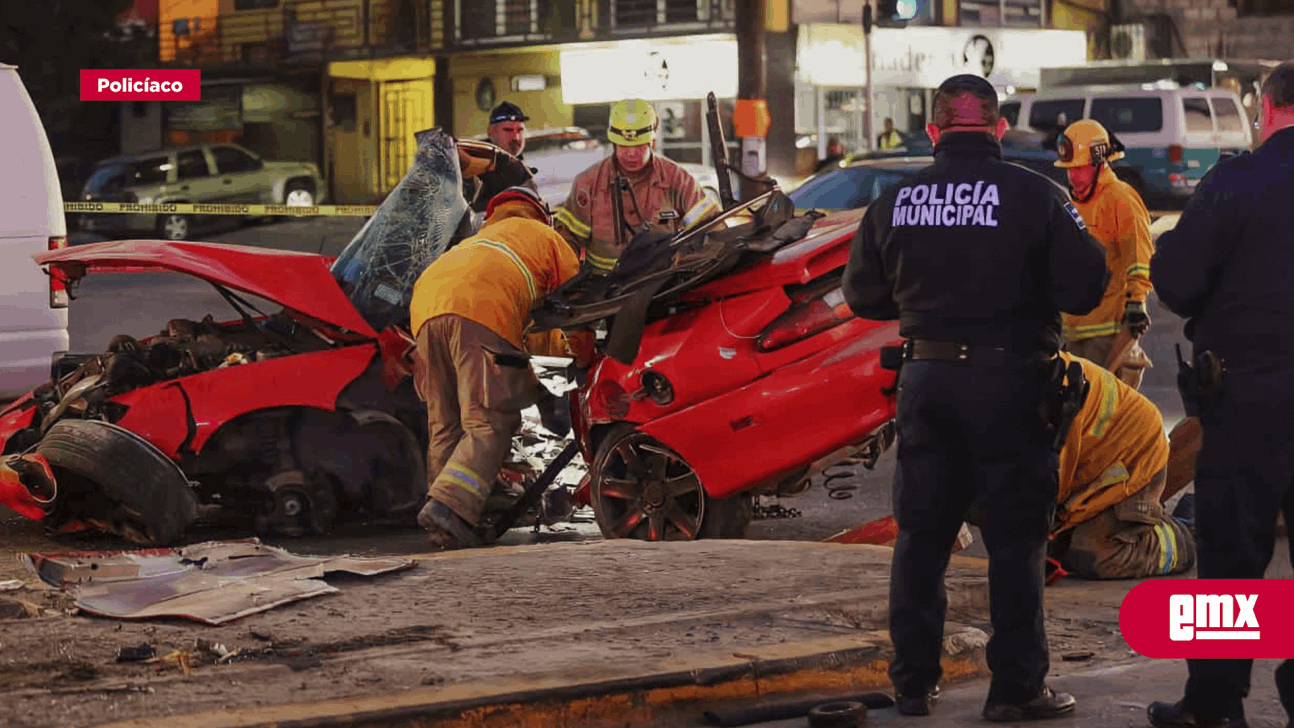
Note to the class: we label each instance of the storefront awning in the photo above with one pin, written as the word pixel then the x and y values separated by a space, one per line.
pixel 922 57
pixel 383 69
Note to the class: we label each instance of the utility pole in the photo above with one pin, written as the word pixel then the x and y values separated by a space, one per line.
pixel 867 74
pixel 750 118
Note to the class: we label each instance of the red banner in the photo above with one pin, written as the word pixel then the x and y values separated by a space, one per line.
pixel 141 84
pixel 1209 618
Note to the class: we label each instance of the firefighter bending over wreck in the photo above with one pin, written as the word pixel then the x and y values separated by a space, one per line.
pixel 470 310
pixel 655 194
pixel 1110 520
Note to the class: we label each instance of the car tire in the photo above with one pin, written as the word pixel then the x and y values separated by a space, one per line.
pixel 298 194
pixel 173 226
pixel 648 508
pixel 115 479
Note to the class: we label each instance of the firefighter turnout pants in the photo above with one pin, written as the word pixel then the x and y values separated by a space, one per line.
pixel 972 434
pixel 474 408
pixel 1132 539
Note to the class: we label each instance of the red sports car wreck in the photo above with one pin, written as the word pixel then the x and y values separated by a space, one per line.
pixel 733 367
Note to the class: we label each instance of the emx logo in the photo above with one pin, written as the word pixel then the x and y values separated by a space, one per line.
pixel 1213 617
pixel 1208 618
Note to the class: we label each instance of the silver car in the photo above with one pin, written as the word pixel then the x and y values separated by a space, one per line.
pixel 202 173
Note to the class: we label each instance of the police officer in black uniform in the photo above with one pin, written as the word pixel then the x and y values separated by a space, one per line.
pixel 976 258
pixel 1226 267
pixel 512 171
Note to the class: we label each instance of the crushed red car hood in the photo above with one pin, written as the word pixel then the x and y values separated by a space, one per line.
pixel 299 281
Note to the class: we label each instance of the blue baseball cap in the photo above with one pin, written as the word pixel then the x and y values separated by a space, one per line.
pixel 507 111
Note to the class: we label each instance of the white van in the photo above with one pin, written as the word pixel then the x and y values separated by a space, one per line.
pixel 33 308
pixel 1173 136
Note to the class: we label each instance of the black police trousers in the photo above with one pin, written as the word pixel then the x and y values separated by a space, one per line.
pixel 1243 480
pixel 972 433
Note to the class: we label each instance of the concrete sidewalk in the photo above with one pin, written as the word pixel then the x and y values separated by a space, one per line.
pixel 571 634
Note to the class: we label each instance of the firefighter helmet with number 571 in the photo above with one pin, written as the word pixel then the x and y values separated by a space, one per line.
pixel 1087 142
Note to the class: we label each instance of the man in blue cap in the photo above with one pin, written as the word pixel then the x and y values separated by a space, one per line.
pixel 507 131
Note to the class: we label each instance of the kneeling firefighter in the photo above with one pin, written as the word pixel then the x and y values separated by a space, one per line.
pixel 470 309
pixel 1110 520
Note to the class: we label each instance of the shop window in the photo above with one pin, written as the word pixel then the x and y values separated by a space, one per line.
pixel 639 13
pixel 343 109
pixel 1197 113
pixel 1262 7
pixel 494 18
pixel 1001 13
pixel 255 4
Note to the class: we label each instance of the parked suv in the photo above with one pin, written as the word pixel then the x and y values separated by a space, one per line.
pixel 203 173
pixel 1172 136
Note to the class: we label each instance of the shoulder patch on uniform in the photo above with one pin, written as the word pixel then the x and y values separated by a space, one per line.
pixel 582 198
pixel 1078 218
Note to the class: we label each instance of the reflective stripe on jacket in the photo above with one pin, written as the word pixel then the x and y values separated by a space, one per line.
pixel 668 197
pixel 1114 448
pixel 1118 219
pixel 495 277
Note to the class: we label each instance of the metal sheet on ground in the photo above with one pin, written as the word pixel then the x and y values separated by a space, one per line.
pixel 213 582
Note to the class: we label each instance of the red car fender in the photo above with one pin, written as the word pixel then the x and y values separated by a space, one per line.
pixel 15 494
pixel 785 421
pixel 159 413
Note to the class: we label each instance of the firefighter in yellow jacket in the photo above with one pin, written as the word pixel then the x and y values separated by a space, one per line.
pixel 1110 520
pixel 660 195
pixel 1117 218
pixel 470 311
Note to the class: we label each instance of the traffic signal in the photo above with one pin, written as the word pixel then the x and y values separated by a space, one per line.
pixel 896 13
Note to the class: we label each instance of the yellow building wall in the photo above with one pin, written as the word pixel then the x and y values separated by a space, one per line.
pixel 368 161
pixel 169 46
pixel 1068 16
pixel 545 108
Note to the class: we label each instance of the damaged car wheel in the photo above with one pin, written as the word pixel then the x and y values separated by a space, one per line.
pixel 112 478
pixel 643 489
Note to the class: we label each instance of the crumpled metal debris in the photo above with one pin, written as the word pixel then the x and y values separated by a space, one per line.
pixel 539 447
pixel 213 582
pixel 11 584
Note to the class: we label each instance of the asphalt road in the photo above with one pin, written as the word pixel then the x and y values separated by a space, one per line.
pixel 141 304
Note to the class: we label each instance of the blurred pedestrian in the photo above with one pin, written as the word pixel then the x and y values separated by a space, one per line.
pixel 835 153
pixel 889 138
pixel 976 258
pixel 507 130
pixel 1225 267
pixel 656 194
pixel 1117 218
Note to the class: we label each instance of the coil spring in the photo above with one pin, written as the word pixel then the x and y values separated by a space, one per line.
pixel 832 476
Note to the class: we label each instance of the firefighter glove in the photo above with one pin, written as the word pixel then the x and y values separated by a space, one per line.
pixel 1135 318
pixel 555 414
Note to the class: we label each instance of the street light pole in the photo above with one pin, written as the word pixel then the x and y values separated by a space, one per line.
pixel 750 118
pixel 867 60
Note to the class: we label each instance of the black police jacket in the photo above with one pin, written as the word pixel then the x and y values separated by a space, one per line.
pixel 975 250
pixel 481 189
pixel 1228 264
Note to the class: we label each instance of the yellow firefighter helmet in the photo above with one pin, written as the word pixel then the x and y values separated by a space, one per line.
pixel 632 124
pixel 1087 142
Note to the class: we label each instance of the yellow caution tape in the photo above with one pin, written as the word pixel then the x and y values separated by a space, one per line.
pixel 186 208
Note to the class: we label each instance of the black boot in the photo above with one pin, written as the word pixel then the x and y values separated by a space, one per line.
pixel 1048 704
pixel 917 704
pixel 1176 715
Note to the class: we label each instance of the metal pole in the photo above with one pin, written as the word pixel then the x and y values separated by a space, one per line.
pixel 867 53
pixel 750 117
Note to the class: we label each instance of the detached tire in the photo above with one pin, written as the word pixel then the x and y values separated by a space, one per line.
pixel 119 480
